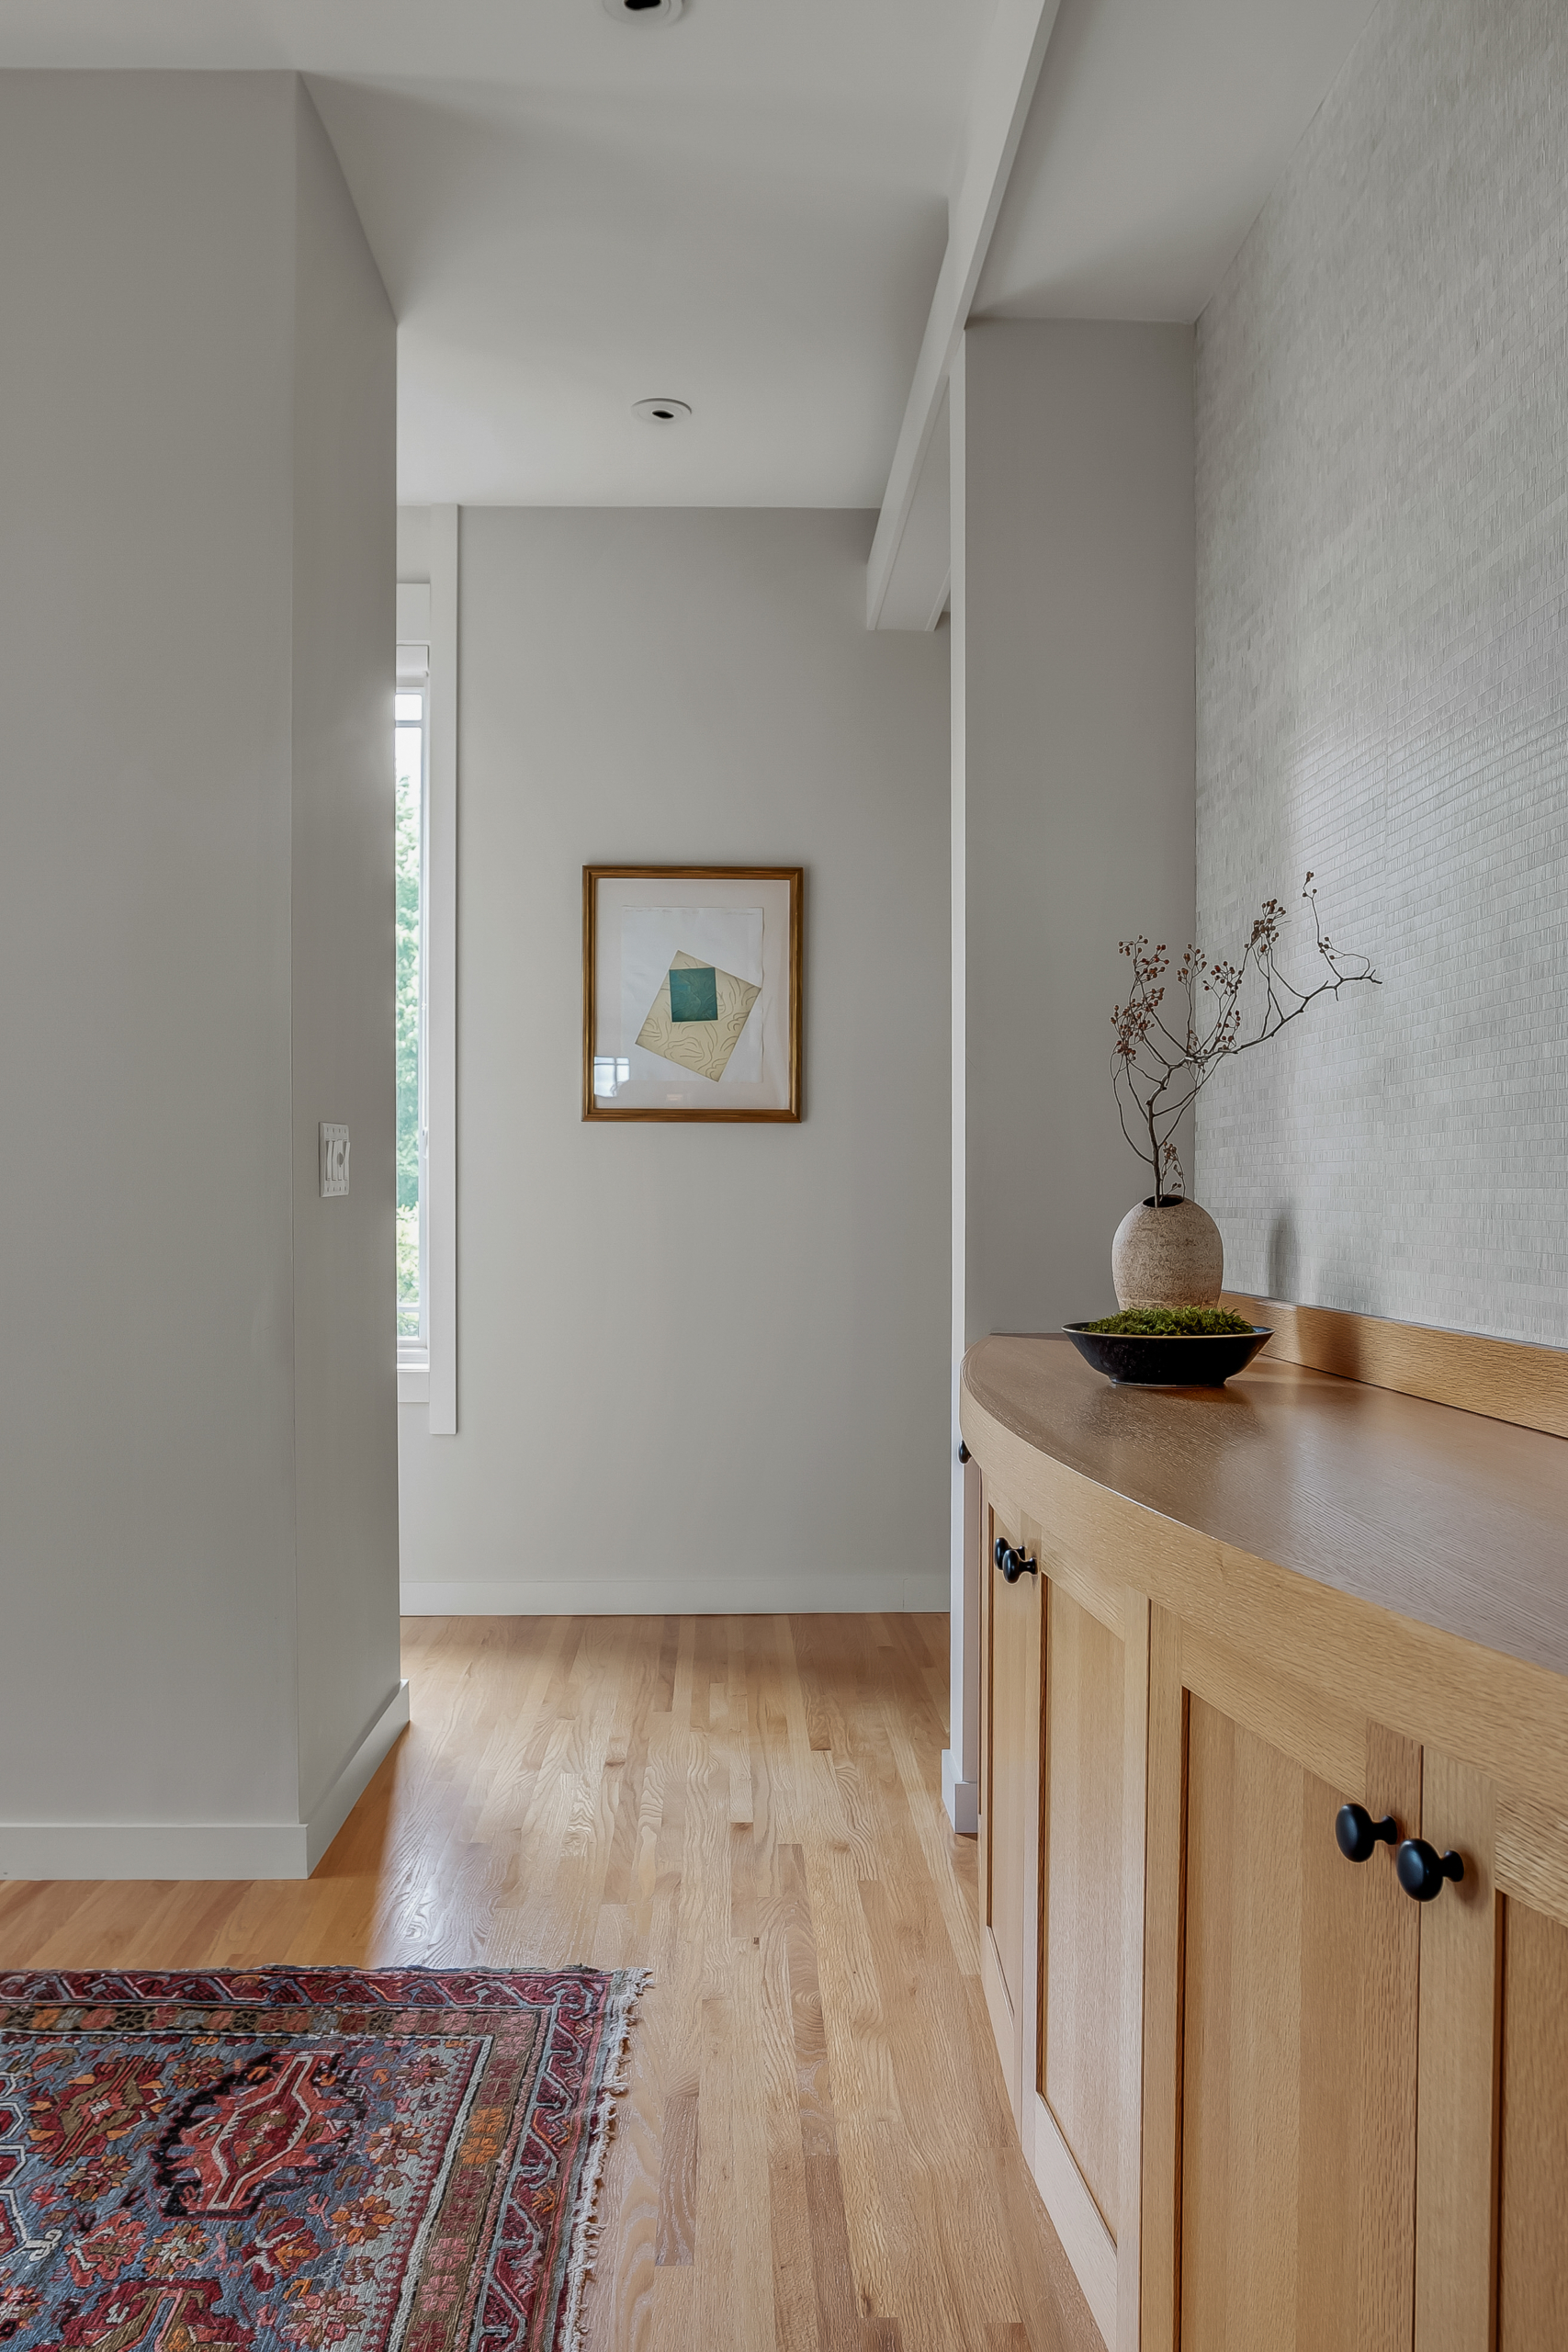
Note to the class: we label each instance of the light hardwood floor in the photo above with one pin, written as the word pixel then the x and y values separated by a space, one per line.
pixel 814 2152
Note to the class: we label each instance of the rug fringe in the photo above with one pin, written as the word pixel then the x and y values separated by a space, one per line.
pixel 628 1987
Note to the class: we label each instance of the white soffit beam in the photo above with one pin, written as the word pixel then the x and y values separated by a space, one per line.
pixel 916 593
pixel 1004 86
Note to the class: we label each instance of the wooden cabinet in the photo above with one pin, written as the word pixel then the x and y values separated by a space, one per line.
pixel 1086 2002
pixel 1063 1715
pixel 1532 2137
pixel 1492 2180
pixel 1010 1815
pixel 1286 1982
pixel 1271 2103
pixel 1268 2100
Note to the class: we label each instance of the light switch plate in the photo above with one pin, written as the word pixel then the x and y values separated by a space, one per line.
pixel 334 1161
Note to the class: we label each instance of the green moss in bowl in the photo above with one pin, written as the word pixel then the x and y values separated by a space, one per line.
pixel 1173 1322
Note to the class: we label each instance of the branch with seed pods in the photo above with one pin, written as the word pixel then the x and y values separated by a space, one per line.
pixel 1159 1069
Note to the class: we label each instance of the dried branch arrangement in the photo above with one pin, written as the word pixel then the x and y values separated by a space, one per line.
pixel 1159 1070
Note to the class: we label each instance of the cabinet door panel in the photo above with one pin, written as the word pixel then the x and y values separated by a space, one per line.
pixel 1298 2123
pixel 1533 2285
pixel 1012 1759
pixel 1009 1803
pixel 1456 2204
pixel 1082 1987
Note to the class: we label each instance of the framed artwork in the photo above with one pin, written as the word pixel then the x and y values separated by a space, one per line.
pixel 691 992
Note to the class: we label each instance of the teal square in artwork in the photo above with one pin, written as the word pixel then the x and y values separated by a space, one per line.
pixel 693 993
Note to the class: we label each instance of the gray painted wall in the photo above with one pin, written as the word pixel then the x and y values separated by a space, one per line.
pixel 1073 616
pixel 343 968
pixel 169 377
pixel 1383 514
pixel 698 1366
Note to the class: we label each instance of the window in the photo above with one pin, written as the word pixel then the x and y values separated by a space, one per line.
pixel 425 769
pixel 410 770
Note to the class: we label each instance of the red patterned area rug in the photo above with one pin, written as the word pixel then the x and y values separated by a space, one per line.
pixel 303 2159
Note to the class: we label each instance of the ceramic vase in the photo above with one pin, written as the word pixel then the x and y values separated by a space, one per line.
pixel 1169 1255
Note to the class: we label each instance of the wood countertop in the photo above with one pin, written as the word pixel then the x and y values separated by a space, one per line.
pixel 1445 1517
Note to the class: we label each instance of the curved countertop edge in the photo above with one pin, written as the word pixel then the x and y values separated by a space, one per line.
pixel 1506 1714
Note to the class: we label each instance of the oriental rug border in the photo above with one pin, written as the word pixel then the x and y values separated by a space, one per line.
pixel 303 2159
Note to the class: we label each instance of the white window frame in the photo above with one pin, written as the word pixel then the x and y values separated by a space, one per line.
pixel 437 1377
pixel 414 677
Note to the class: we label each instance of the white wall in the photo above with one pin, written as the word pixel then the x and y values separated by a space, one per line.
pixel 1072 825
pixel 1382 462
pixel 152 1158
pixel 1073 603
pixel 413 542
pixel 699 1367
pixel 344 624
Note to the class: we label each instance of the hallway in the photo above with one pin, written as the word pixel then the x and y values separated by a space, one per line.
pixel 748 1807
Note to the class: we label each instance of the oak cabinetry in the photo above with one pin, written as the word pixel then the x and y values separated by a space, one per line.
pixel 1081 1993
pixel 1064 1858
pixel 1291 1988
pixel 1270 2100
pixel 1533 2151
pixel 1009 1771
pixel 1492 2179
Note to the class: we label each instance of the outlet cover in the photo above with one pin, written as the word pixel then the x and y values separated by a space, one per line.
pixel 334 1161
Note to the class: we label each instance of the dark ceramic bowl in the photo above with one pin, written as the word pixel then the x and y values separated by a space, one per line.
pixel 1177 1361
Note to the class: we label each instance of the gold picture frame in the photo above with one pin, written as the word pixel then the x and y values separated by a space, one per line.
pixel 742 1041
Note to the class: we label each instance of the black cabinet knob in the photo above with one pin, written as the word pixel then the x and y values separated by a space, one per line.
pixel 1012 1564
pixel 1357 1833
pixel 1422 1869
pixel 963 1451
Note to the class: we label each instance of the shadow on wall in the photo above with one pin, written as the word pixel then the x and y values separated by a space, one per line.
pixel 1284 1257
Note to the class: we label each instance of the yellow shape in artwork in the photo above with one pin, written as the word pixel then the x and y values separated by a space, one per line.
pixel 701 1046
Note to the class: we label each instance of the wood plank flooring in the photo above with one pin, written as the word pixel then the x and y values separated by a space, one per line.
pixel 814 2153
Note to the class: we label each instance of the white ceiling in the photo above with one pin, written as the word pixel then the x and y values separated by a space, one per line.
pixel 555 255
pixel 746 209
pixel 1158 127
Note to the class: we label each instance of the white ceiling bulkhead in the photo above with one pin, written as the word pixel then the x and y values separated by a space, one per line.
pixel 743 207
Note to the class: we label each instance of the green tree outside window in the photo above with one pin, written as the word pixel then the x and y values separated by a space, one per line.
pixel 409 740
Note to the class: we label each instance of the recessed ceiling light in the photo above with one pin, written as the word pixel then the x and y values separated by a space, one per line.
pixel 661 411
pixel 650 12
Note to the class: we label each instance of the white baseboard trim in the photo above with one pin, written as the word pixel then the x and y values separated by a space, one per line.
pixel 200 1849
pixel 962 1798
pixel 812 1594
pixel 355 1778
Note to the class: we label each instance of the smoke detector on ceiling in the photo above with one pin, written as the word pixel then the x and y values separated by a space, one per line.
pixel 665 413
pixel 647 12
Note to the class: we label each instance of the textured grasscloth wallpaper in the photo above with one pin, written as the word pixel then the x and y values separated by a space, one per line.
pixel 1382 677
